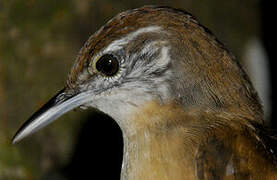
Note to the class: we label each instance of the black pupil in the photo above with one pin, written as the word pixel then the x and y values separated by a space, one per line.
pixel 107 65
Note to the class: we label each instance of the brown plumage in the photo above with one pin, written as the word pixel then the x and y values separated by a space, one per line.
pixel 186 107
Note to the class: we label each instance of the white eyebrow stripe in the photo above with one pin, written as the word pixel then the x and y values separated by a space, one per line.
pixel 117 44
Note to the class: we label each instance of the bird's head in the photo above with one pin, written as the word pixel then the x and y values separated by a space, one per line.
pixel 150 54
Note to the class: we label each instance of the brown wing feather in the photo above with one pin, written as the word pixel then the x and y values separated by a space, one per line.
pixel 249 153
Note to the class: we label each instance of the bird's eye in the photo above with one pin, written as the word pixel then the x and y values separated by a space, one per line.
pixel 107 64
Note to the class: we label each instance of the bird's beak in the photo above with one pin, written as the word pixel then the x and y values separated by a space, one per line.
pixel 61 103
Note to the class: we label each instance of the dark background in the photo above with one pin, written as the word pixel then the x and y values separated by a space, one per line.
pixel 38 44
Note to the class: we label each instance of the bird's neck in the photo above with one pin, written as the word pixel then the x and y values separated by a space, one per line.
pixel 149 156
pixel 156 146
pixel 161 141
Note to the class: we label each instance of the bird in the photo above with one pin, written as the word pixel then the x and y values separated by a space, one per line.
pixel 184 104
